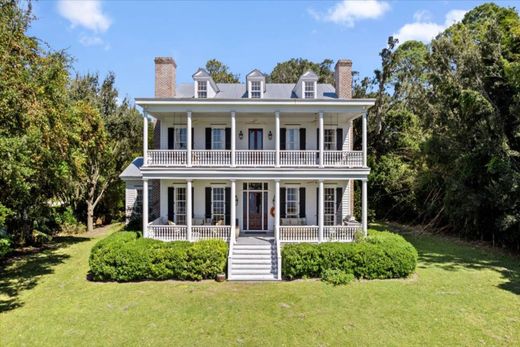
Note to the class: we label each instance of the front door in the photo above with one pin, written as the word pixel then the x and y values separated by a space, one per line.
pixel 255 206
pixel 256 139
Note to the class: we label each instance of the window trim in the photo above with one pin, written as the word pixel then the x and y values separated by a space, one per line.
pixel 177 143
pixel 176 208
pixel 296 141
pixel 250 89
pixel 305 91
pixel 213 201
pixel 201 93
pixel 222 138
pixel 296 214
pixel 325 201
pixel 333 142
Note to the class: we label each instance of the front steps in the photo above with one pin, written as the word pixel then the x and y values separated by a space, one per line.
pixel 254 259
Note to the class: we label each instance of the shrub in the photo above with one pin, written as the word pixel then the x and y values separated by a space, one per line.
pixel 124 257
pixel 5 246
pixel 337 277
pixel 380 255
pixel 39 238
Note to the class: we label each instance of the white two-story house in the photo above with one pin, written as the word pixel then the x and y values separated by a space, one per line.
pixel 256 164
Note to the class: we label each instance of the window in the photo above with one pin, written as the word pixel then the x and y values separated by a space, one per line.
pixel 309 90
pixel 180 206
pixel 181 139
pixel 218 204
pixel 256 89
pixel 218 138
pixel 202 89
pixel 329 206
pixel 292 202
pixel 293 139
pixel 329 139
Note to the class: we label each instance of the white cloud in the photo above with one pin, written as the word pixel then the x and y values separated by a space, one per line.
pixel 422 16
pixel 349 12
pixel 87 14
pixel 423 29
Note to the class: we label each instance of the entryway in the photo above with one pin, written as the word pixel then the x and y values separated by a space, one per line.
pixel 255 205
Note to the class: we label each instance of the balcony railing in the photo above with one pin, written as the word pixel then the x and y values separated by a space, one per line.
pixel 255 158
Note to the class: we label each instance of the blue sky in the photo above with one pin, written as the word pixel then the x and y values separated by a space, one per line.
pixel 125 36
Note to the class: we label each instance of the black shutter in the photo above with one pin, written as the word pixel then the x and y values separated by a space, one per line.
pixel 208 138
pixel 302 202
pixel 283 139
pixel 339 139
pixel 339 199
pixel 318 139
pixel 303 139
pixel 171 203
pixel 227 198
pixel 192 202
pixel 192 138
pixel 171 137
pixel 282 202
pixel 317 206
pixel 228 138
pixel 208 202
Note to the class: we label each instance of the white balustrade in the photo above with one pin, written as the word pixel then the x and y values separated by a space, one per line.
pixel 343 158
pixel 211 157
pixel 340 233
pixel 168 232
pixel 166 157
pixel 298 158
pixel 206 232
pixel 255 158
pixel 299 233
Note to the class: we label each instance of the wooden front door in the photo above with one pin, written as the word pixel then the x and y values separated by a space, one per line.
pixel 255 211
pixel 255 201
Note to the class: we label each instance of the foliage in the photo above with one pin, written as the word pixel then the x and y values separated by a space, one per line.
pixel 5 246
pixel 337 277
pixel 290 71
pixel 381 255
pixel 220 72
pixel 39 238
pixel 124 257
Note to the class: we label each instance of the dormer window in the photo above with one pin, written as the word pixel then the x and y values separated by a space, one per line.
pixel 202 89
pixel 309 90
pixel 256 89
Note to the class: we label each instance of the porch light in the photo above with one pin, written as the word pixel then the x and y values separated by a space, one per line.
pixel 270 135
pixel 240 135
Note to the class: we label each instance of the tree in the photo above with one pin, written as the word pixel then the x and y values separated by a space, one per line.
pixel 220 72
pixel 290 71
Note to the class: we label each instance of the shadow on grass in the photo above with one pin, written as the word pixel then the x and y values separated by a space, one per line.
pixel 451 254
pixel 23 270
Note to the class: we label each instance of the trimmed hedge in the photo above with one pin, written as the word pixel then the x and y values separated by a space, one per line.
pixel 380 255
pixel 124 257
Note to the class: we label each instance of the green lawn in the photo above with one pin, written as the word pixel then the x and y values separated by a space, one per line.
pixel 461 295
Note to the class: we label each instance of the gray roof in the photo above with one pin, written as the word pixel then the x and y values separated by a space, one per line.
pixel 133 171
pixel 275 91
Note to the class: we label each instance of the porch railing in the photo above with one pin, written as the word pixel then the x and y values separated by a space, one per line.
pixel 340 233
pixel 206 232
pixel 168 232
pixel 255 158
pixel 211 157
pixel 300 233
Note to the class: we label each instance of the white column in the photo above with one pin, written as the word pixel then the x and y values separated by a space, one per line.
pixel 189 211
pixel 321 138
pixel 277 138
pixel 233 138
pixel 364 207
pixel 188 139
pixel 364 139
pixel 277 209
pixel 321 210
pixel 145 138
pixel 233 210
pixel 145 207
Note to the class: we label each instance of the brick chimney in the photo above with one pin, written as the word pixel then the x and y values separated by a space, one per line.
pixel 165 69
pixel 343 78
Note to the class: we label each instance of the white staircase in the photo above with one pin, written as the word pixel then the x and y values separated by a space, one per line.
pixel 254 259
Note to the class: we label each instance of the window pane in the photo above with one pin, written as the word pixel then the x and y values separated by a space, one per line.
pixel 202 89
pixel 292 201
pixel 218 138
pixel 180 138
pixel 329 139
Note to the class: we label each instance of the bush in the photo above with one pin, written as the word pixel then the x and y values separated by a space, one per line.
pixel 5 246
pixel 39 238
pixel 380 255
pixel 124 257
pixel 337 277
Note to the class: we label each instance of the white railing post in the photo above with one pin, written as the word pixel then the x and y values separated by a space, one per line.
pixel 233 138
pixel 189 211
pixel 145 207
pixel 233 211
pixel 321 217
pixel 188 139
pixel 321 139
pixel 364 206
pixel 145 138
pixel 277 209
pixel 364 139
pixel 277 138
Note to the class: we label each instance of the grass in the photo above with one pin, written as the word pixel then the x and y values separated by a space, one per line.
pixel 460 295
